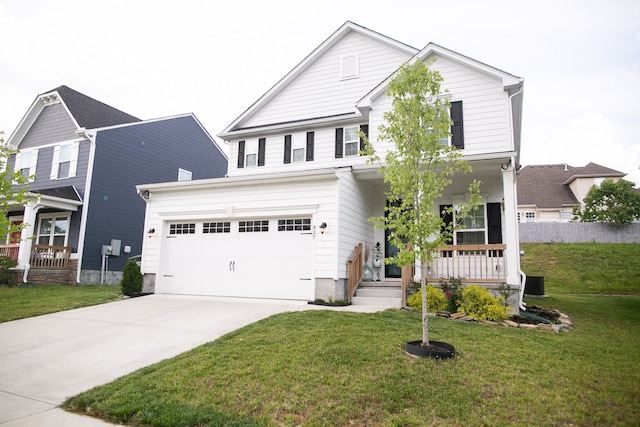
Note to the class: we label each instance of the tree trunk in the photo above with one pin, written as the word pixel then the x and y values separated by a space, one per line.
pixel 423 288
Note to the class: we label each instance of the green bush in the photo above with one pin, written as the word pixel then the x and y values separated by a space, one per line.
pixel 436 300
pixel 479 304
pixel 452 289
pixel 6 263
pixel 131 279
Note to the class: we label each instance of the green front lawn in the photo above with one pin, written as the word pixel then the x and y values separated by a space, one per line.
pixel 330 368
pixel 28 301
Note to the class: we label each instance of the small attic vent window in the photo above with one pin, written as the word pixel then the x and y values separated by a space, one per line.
pixel 349 67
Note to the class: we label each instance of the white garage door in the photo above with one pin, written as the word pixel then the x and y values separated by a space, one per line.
pixel 262 258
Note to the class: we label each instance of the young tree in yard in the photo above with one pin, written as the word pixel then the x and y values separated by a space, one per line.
pixel 418 170
pixel 14 190
pixel 616 203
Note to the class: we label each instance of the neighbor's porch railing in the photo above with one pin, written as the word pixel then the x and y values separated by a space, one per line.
pixel 10 250
pixel 354 271
pixel 52 257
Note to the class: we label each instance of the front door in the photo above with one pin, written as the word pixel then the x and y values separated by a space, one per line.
pixel 390 270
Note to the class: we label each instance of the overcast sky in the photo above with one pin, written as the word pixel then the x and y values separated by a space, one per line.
pixel 154 58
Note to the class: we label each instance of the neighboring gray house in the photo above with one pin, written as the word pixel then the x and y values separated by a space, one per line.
pixel 87 158
pixel 550 192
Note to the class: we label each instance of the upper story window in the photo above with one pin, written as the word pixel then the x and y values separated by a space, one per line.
pixel 349 66
pixel 251 153
pixel 53 229
pixel 26 162
pixel 298 147
pixel 184 175
pixel 65 160
pixel 348 142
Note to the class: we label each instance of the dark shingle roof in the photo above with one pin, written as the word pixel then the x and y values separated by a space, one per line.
pixel 547 186
pixel 69 193
pixel 90 113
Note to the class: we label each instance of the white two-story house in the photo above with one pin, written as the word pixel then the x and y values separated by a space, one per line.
pixel 292 213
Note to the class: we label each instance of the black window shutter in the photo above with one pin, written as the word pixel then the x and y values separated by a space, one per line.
pixel 240 154
pixel 494 221
pixel 447 218
pixel 339 145
pixel 261 148
pixel 365 130
pixel 310 139
pixel 287 148
pixel 457 133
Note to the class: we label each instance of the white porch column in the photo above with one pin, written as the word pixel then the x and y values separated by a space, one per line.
pixel 26 236
pixel 511 225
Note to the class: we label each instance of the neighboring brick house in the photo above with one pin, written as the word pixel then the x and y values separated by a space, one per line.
pixel 550 192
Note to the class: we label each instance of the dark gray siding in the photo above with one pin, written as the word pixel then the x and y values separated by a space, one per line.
pixel 43 170
pixel 138 154
pixel 52 125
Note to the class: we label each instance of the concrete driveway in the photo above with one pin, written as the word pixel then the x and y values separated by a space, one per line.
pixel 45 359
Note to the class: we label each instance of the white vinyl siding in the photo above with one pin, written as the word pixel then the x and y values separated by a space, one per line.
pixel 318 91
pixel 293 198
pixel 65 160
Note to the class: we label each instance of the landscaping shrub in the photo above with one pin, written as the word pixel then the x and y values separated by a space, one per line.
pixel 436 300
pixel 452 289
pixel 6 263
pixel 478 303
pixel 131 279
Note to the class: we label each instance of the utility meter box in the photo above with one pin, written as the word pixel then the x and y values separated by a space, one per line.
pixel 115 247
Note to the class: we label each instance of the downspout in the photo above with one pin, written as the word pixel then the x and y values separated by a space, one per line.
pixel 523 277
pixel 85 204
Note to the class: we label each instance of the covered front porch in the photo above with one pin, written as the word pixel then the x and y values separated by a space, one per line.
pixel 41 250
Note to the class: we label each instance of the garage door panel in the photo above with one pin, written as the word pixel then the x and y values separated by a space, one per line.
pixel 273 264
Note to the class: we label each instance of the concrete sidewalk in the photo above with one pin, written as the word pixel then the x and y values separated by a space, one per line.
pixel 45 359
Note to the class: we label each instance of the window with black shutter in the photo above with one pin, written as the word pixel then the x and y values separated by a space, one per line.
pixel 457 133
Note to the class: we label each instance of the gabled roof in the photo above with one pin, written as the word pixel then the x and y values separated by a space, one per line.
pixel 593 170
pixel 547 186
pixel 512 84
pixel 509 81
pixel 90 113
pixel 337 36
pixel 85 111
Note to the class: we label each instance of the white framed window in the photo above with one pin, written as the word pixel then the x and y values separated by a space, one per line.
pixel 184 175
pixel 298 144
pixel 65 160
pixel 251 153
pixel 349 66
pixel 26 162
pixel 53 229
pixel 351 141
pixel 530 216
pixel 472 231
pixel 566 215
